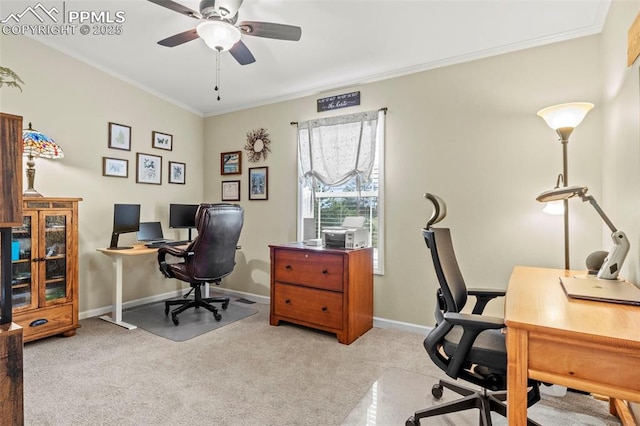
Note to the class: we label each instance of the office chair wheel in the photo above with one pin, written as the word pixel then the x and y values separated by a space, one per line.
pixel 217 316
pixel 175 319
pixel 411 421
pixel 436 391
pixel 225 305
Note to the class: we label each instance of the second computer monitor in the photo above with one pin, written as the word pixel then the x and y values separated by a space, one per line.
pixel 183 216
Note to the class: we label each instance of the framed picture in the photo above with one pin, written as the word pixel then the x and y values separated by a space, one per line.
pixel 231 163
pixel 149 168
pixel 259 183
pixel 119 136
pixel 177 172
pixel 115 167
pixel 231 190
pixel 162 140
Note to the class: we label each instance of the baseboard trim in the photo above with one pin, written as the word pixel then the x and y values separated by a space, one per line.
pixel 377 322
pixel 172 294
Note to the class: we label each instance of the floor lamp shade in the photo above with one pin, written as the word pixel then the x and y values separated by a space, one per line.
pixel 565 115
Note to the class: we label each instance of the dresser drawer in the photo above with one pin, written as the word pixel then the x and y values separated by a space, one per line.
pixel 321 270
pixel 309 305
pixel 45 320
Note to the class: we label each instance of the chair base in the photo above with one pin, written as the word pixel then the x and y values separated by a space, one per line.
pixel 196 303
pixel 485 401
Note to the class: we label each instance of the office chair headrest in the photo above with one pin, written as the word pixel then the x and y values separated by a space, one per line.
pixel 439 209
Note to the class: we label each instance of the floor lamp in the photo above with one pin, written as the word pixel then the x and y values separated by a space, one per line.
pixel 563 119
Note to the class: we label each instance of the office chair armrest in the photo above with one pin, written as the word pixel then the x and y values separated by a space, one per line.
pixel 484 296
pixel 472 326
pixel 173 251
pixel 473 321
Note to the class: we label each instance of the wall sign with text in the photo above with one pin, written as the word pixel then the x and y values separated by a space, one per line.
pixel 339 101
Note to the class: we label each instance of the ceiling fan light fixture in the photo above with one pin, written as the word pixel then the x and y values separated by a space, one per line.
pixel 218 35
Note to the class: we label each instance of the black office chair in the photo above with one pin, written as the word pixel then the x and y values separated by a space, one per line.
pixel 208 258
pixel 465 346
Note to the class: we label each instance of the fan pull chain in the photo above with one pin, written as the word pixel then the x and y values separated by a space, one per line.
pixel 217 88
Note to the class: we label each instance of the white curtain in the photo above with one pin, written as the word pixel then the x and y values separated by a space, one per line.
pixel 335 150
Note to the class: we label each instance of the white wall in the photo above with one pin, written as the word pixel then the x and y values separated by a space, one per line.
pixel 621 131
pixel 467 132
pixel 621 134
pixel 72 103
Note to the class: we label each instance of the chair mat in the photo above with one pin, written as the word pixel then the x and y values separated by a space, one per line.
pixel 193 322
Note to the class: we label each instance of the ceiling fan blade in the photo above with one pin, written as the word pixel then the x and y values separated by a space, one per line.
pixel 271 30
pixel 177 7
pixel 179 39
pixel 241 53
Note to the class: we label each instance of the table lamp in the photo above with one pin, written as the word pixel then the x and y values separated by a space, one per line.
pixel 614 260
pixel 36 144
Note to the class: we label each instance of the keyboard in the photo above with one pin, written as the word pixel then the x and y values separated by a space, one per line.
pixel 167 243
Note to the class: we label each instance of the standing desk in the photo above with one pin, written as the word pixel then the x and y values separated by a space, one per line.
pixel 117 256
pixel 581 344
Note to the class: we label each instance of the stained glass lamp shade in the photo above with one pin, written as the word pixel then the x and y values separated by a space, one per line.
pixel 36 144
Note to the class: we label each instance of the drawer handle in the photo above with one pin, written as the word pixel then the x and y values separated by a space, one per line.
pixel 288 301
pixel 324 309
pixel 288 267
pixel 38 322
pixel 324 271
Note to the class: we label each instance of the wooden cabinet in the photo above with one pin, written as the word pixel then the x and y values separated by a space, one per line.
pixel 322 288
pixel 44 285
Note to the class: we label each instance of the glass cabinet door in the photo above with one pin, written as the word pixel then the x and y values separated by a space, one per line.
pixel 23 280
pixel 53 262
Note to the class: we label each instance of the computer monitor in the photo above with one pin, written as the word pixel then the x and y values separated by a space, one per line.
pixel 126 218
pixel 183 216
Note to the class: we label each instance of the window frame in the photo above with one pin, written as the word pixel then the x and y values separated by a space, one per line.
pixel 379 163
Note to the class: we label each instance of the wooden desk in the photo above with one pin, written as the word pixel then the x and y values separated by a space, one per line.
pixel 585 345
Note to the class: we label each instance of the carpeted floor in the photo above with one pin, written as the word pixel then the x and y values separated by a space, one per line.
pixel 247 372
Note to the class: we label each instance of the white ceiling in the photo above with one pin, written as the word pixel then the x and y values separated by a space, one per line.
pixel 344 42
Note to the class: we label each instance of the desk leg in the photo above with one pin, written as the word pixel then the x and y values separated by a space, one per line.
pixel 117 298
pixel 517 368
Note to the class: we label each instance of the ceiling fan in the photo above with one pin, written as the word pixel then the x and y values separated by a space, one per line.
pixel 221 31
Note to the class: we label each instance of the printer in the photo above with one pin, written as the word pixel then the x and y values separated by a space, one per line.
pixel 351 235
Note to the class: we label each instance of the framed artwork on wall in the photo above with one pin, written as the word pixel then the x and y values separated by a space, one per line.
pixel 115 167
pixel 119 136
pixel 177 172
pixel 162 140
pixel 231 190
pixel 231 163
pixel 149 168
pixel 259 183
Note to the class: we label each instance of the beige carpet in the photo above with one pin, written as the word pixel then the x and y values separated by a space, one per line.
pixel 246 373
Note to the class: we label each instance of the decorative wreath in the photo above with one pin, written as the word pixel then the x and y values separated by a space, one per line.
pixel 257 145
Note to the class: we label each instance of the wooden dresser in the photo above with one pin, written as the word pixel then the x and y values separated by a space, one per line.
pixel 323 288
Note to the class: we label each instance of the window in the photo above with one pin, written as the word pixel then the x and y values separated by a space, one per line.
pixel 322 204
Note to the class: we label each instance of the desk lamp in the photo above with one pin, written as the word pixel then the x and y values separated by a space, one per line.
pixel 613 262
